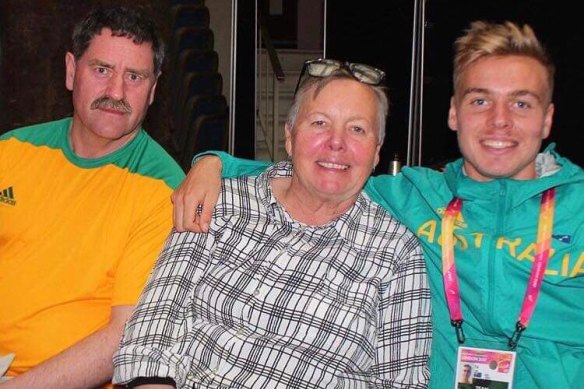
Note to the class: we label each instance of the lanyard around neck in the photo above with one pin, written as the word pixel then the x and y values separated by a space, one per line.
pixel 450 277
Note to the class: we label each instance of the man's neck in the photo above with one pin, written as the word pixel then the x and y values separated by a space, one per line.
pixel 93 147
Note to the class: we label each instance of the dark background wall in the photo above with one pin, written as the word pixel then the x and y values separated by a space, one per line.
pixel 380 36
pixel 379 33
pixel 35 35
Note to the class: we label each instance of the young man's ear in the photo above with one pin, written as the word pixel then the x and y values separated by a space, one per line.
pixel 452 119
pixel 548 120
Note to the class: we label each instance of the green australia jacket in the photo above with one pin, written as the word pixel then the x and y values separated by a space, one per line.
pixel 495 237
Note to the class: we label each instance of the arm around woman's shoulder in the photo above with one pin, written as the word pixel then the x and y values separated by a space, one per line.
pixel 196 197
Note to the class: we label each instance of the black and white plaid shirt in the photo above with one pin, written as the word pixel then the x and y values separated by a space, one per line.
pixel 263 301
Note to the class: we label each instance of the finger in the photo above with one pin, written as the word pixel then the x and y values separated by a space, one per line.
pixel 197 225
pixel 207 213
pixel 189 215
pixel 177 212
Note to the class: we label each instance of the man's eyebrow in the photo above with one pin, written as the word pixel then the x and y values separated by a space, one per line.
pixel 517 93
pixel 99 62
pixel 141 72
pixel 468 91
pixel 526 92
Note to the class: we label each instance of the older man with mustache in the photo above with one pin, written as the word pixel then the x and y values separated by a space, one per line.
pixel 84 210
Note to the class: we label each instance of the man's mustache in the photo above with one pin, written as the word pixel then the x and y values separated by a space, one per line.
pixel 109 103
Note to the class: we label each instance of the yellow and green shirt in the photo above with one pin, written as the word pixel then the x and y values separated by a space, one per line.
pixel 77 236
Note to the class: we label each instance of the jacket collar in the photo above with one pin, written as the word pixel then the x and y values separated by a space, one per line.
pixel 553 170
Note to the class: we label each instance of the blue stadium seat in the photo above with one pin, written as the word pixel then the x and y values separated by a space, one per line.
pixel 188 15
pixel 198 38
pixel 193 84
pixel 195 107
pixel 187 2
pixel 208 132
pixel 190 60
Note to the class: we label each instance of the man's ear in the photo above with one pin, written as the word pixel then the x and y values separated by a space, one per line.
pixel 153 90
pixel 70 68
pixel 452 119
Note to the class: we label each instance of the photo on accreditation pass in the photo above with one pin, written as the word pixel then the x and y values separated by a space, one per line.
pixel 478 368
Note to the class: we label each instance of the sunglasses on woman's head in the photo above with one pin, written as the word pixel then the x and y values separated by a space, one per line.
pixel 323 67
